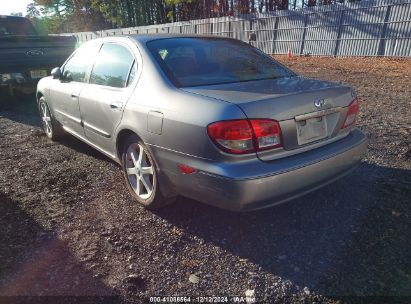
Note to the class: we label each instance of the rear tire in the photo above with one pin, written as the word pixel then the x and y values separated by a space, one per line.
pixel 140 173
pixel 51 126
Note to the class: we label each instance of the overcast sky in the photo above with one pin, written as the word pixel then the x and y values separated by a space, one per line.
pixel 13 6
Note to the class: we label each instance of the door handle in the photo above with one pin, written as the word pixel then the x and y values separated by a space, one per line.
pixel 116 105
pixel 74 95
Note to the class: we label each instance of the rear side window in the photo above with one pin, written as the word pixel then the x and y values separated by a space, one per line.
pixel 76 68
pixel 112 66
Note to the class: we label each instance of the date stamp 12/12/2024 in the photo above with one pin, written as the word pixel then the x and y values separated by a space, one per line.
pixel 248 298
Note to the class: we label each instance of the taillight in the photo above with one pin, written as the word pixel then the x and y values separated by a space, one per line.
pixel 353 110
pixel 245 136
pixel 232 136
pixel 267 133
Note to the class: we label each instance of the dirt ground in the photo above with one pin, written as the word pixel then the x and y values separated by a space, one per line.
pixel 69 227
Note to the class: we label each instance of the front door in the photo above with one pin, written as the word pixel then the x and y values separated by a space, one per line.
pixel 66 109
pixel 65 92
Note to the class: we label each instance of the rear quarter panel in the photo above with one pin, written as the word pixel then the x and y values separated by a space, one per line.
pixel 185 118
pixel 185 115
pixel 181 136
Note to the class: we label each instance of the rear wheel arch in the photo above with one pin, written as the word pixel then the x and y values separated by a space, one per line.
pixel 121 138
pixel 160 197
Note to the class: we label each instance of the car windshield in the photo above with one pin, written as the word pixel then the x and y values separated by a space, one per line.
pixel 16 26
pixel 206 61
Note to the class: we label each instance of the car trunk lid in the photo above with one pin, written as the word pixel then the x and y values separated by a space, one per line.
pixel 310 112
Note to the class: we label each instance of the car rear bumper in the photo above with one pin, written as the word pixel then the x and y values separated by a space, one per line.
pixel 270 183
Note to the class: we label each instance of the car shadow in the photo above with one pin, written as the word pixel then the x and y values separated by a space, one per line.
pixel 20 108
pixel 73 143
pixel 349 238
pixel 30 120
pixel 68 141
pixel 34 262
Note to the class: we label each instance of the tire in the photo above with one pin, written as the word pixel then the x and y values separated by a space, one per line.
pixel 51 127
pixel 141 175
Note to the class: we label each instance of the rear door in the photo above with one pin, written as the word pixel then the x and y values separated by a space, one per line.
pixel 65 92
pixel 110 86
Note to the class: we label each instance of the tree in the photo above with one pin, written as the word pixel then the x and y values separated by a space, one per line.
pixel 89 15
pixel 32 11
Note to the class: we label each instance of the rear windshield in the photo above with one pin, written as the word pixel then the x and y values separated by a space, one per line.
pixel 16 26
pixel 205 61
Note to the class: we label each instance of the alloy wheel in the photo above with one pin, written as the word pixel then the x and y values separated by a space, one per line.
pixel 140 171
pixel 46 119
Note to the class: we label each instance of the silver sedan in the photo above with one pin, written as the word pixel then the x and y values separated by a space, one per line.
pixel 208 118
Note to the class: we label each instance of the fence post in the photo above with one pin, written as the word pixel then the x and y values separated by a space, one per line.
pixel 275 34
pixel 340 27
pixel 251 30
pixel 381 46
pixel 304 33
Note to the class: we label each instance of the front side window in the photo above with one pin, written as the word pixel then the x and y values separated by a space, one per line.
pixel 207 61
pixel 76 68
pixel 112 66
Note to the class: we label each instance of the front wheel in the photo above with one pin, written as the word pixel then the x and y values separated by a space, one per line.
pixel 140 172
pixel 51 127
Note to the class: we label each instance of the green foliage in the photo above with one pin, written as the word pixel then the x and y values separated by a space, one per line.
pixel 32 11
pixel 88 15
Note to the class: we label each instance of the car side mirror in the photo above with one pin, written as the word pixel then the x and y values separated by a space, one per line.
pixel 56 73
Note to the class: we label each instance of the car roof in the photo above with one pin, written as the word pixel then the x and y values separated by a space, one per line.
pixel 149 37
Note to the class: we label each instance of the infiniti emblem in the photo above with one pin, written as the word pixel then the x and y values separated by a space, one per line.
pixel 319 103
pixel 34 53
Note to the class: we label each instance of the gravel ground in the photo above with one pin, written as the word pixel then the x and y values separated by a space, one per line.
pixel 69 227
